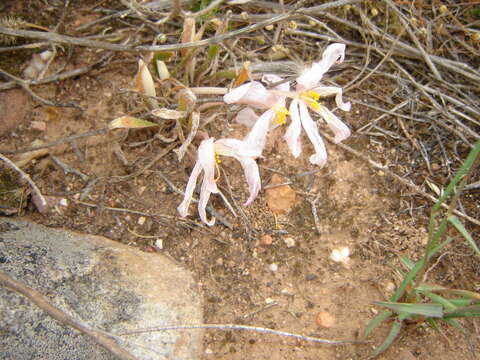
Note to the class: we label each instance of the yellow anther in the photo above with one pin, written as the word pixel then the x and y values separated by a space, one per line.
pixel 281 114
pixel 217 158
pixel 311 98
pixel 312 94
pixel 217 166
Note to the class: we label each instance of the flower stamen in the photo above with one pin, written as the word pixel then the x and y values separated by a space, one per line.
pixel 218 161
pixel 281 113
pixel 311 98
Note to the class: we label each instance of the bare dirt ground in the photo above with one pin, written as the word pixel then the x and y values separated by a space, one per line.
pixel 265 269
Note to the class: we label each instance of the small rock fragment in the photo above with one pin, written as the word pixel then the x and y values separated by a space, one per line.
pixel 38 125
pixel 159 244
pixel 273 267
pixel 290 242
pixel 325 319
pixel 141 220
pixel 280 199
pixel 266 240
pixel 341 254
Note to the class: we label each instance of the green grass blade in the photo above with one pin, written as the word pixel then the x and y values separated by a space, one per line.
pixel 429 310
pixel 376 321
pixel 409 264
pixel 466 294
pixel 438 247
pixel 461 302
pixel 392 335
pixel 458 177
pixel 432 322
pixel 459 292
pixel 461 229
pixel 407 280
pixel 466 311
pixel 437 235
pixel 440 300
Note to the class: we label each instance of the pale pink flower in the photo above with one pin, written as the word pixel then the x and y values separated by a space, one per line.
pixel 254 93
pixel 208 159
pixel 307 94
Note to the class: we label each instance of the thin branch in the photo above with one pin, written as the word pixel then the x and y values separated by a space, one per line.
pixel 24 84
pixel 42 203
pixel 241 327
pixel 425 56
pixel 42 302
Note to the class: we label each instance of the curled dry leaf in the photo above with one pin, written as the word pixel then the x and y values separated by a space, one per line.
pixel 144 81
pixel 183 149
pixel 168 114
pixel 129 122
pixel 188 34
pixel 162 70
pixel 144 84
pixel 244 74
pixel 186 100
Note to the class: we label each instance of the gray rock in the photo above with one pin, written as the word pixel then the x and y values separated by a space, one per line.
pixel 102 283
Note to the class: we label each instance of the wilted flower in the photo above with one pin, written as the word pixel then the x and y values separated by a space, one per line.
pixel 209 153
pixel 307 94
pixel 254 93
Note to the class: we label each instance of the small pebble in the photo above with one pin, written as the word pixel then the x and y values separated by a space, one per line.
pixel 273 267
pixel 269 301
pixel 325 319
pixel 38 125
pixel 219 261
pixel 311 277
pixel 290 242
pixel 159 243
pixel 141 220
pixel 266 240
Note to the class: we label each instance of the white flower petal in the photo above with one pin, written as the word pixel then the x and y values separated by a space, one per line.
pixel 236 149
pixel 334 53
pixel 320 156
pixel 310 78
pixel 254 142
pixel 292 135
pixel 192 181
pixel 324 91
pixel 252 93
pixel 246 117
pixel 252 176
pixel 205 192
pixel 340 130
pixel 206 157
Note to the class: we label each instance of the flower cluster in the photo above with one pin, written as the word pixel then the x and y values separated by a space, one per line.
pixel 305 98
